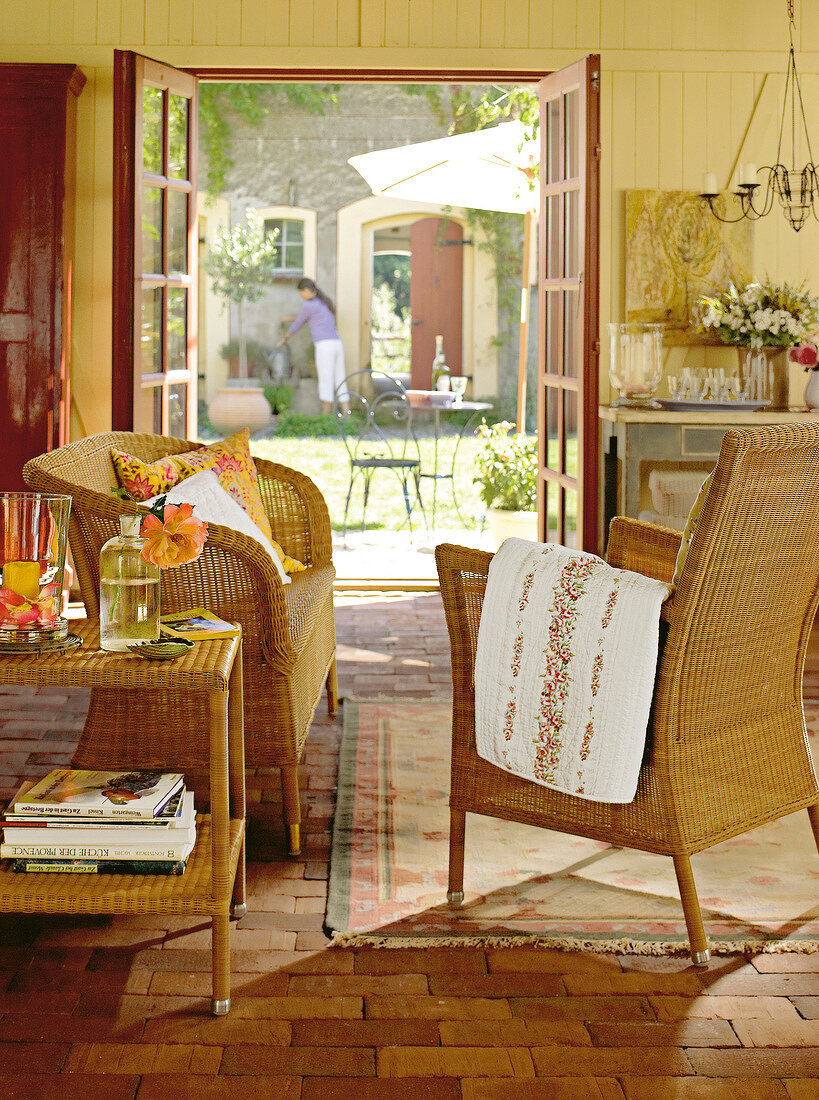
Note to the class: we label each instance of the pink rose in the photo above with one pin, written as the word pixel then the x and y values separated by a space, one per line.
pixel 806 355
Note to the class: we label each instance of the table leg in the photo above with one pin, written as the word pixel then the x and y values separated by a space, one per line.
pixel 220 851
pixel 236 772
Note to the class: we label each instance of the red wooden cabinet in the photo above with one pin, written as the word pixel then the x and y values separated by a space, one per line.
pixel 37 136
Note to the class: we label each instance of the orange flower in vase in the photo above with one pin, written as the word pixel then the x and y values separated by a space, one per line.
pixel 173 537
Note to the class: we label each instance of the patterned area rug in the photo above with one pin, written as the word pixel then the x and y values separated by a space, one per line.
pixel 388 871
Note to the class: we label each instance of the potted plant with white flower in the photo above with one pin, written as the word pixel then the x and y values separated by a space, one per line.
pixel 506 476
pixel 763 321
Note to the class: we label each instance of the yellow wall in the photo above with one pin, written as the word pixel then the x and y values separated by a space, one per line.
pixel 679 85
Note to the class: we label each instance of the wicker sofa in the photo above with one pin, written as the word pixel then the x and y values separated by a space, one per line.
pixel 288 629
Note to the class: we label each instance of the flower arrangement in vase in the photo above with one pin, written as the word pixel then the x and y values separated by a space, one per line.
pixel 763 320
pixel 130 564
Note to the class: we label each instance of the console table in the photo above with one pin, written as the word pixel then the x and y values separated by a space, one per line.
pixel 635 441
pixel 215 871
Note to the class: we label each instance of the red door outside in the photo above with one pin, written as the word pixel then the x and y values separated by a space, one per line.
pixel 436 296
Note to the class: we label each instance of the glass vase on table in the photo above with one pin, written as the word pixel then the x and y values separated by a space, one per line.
pixel 129 590
pixel 636 363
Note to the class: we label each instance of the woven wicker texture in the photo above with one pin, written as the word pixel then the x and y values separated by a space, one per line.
pixel 288 630
pixel 727 748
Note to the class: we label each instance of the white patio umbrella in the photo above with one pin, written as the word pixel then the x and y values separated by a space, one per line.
pixel 492 169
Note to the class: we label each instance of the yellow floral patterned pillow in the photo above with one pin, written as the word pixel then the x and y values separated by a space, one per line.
pixel 232 483
pixel 144 480
pixel 231 461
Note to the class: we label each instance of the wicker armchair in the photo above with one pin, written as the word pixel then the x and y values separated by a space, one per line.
pixel 727 749
pixel 288 630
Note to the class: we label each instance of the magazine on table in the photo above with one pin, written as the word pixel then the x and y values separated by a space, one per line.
pixel 178 813
pixel 92 840
pixel 99 794
pixel 196 623
pixel 100 866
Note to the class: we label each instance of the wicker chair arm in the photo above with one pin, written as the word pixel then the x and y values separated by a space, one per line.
pixel 643 547
pixel 297 512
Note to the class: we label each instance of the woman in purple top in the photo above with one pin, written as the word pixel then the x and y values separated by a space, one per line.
pixel 318 314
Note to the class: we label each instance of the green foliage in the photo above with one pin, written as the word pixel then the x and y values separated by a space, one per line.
pixel 299 424
pixel 394 271
pixel 253 103
pixel 390 333
pixel 257 354
pixel 279 397
pixel 241 262
pixel 465 107
pixel 506 468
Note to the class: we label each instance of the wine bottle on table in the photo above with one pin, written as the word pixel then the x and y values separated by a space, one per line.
pixel 440 370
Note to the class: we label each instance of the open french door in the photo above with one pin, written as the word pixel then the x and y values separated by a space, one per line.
pixel 568 306
pixel 154 384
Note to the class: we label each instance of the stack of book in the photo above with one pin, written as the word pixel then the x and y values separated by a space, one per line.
pixel 134 822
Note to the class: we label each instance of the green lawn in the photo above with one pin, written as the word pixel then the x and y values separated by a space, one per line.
pixel 325 460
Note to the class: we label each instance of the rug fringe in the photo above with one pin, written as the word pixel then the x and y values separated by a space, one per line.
pixel 617 947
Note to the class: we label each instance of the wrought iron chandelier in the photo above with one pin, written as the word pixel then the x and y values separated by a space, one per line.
pixel 796 188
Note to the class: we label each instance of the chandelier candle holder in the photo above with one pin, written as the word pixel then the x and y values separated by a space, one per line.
pixel 636 363
pixel 795 188
pixel 33 539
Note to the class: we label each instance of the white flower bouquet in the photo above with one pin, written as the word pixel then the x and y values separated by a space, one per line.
pixel 761 315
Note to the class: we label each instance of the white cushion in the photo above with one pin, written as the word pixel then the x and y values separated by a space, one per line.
pixel 215 505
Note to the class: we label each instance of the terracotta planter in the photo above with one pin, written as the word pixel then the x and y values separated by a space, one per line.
pixel 237 407
pixel 505 524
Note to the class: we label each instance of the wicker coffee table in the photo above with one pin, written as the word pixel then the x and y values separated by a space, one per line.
pixel 215 872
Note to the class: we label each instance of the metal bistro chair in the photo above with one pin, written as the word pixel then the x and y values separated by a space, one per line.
pixel 378 435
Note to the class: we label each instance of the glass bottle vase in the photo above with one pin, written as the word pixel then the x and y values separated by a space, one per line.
pixel 129 590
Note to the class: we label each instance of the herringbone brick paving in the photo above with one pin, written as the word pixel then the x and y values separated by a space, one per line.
pixel 120 1007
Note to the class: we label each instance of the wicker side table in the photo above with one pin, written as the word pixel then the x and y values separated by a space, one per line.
pixel 215 872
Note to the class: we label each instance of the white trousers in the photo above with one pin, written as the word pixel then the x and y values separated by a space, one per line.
pixel 330 370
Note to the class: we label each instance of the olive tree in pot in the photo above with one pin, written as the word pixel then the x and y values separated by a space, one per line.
pixel 506 476
pixel 241 263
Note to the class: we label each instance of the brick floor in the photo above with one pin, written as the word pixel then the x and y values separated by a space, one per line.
pixel 120 1007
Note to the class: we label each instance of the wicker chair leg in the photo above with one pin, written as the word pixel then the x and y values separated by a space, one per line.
pixel 457 837
pixel 698 941
pixel 332 689
pixel 813 814
pixel 292 810
pixel 238 904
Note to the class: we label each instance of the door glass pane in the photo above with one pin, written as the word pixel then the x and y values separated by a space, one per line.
pixel 177 328
pixel 177 137
pixel 151 330
pixel 571 266
pixel 570 529
pixel 554 163
pixel 156 419
pixel 152 230
pixel 570 427
pixel 554 328
pixel 552 453
pixel 571 103
pixel 177 411
pixel 551 512
pixel 177 232
pixel 152 130
pixel 553 242
pixel 570 345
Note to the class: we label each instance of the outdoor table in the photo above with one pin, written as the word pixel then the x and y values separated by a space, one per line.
pixel 422 402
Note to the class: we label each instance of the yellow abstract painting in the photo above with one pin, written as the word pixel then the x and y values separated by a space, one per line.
pixel 677 250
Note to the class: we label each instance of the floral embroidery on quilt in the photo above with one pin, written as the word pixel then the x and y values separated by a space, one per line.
pixel 509 716
pixel 548 743
pixel 597 668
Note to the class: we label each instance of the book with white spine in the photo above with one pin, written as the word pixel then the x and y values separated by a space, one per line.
pixel 98 794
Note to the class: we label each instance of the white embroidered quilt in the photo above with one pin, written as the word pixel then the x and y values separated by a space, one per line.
pixel 564 669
